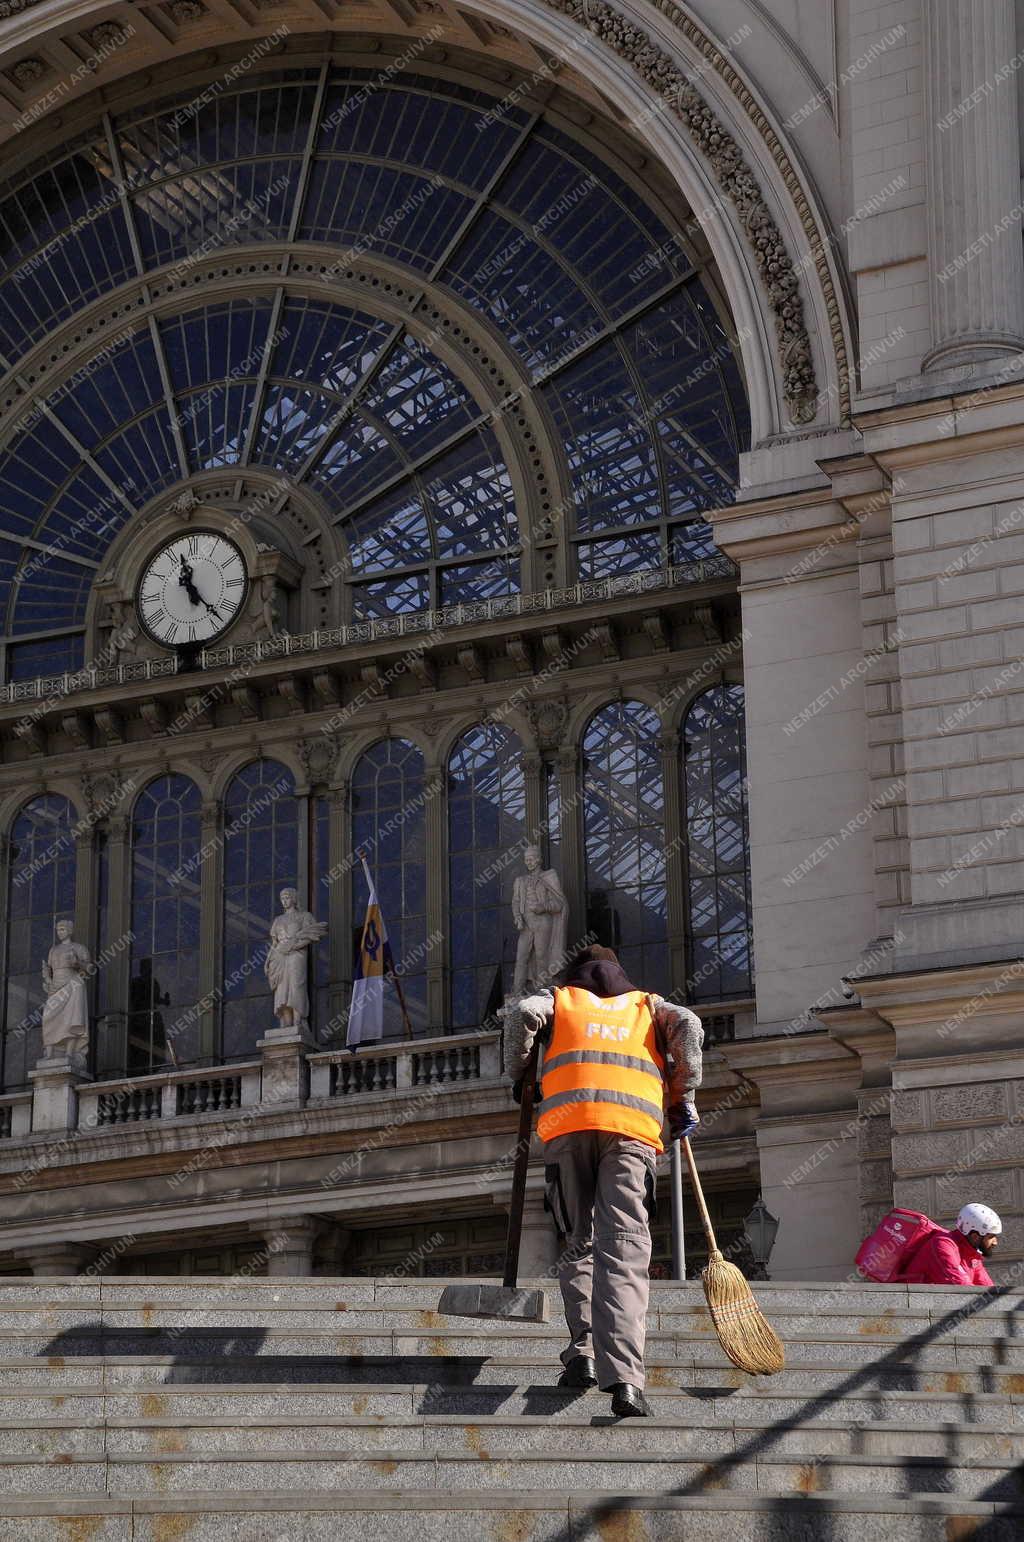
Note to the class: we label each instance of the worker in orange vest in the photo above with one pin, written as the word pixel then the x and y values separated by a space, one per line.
pixel 613 1057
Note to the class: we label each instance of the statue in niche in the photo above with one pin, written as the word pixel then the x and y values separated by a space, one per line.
pixel 541 914
pixel 287 961
pixel 66 1010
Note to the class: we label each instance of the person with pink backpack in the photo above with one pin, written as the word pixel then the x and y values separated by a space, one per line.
pixel 909 1249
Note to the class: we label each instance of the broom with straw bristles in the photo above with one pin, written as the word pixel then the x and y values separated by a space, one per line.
pixel 747 1337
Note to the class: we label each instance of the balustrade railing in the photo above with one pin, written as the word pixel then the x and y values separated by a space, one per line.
pixel 47 688
pixel 172 1095
pixel 405 1065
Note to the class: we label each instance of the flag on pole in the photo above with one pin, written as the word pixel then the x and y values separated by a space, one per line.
pixel 366 1013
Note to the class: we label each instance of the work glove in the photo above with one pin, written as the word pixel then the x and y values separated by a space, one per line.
pixel 517 1092
pixel 683 1119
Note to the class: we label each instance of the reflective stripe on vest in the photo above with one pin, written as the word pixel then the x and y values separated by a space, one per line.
pixel 602 1069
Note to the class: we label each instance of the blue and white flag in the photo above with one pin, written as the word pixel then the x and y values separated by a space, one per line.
pixel 366 1013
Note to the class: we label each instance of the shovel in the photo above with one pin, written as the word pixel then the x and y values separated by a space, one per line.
pixel 506 1299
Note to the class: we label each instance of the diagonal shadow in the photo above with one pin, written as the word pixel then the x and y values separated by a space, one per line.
pixel 889 1370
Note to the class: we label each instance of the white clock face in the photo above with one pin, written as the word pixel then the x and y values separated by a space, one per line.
pixel 192 589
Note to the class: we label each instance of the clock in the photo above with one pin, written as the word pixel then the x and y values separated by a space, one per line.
pixel 192 589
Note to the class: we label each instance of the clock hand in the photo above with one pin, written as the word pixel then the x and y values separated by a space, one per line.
pixel 185 580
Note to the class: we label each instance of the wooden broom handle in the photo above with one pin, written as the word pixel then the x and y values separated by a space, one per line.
pixel 699 1196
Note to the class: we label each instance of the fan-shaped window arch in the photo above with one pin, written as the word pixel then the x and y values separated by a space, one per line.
pixel 389 828
pixel 261 857
pixel 486 828
pixel 624 832
pixel 162 1021
pixel 718 845
pixel 40 891
pixel 606 308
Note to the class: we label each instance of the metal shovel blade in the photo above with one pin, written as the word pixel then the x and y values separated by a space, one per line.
pixel 499 1301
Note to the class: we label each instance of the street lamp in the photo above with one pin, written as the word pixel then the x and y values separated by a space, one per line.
pixel 760 1229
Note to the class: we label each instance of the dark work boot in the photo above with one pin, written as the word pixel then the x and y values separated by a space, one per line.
pixel 579 1372
pixel 629 1402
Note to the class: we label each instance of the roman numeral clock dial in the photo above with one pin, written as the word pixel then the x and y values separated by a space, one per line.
pixel 192 589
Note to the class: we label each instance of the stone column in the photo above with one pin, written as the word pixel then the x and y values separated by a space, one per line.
pixel 112 1030
pixel 435 792
pixel 675 860
pixel 573 874
pixel 807 1144
pixel 58 1259
pixel 290 1247
pixel 339 907
pixel 533 775
pixel 873 1041
pixel 211 935
pixel 976 272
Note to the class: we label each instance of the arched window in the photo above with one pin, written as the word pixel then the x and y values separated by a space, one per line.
pixel 163 990
pixel 389 826
pixel 542 233
pixel 715 797
pixel 261 857
pixel 40 891
pixel 486 832
pixel 624 831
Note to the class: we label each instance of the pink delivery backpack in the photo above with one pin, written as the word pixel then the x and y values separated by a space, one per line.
pixel 891 1245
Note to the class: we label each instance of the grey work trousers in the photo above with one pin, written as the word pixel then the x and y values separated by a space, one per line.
pixel 600 1192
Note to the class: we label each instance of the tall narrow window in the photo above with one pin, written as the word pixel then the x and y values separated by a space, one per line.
pixel 715 794
pixel 163 990
pixel 389 826
pixel 487 828
pixel 261 857
pixel 41 889
pixel 623 818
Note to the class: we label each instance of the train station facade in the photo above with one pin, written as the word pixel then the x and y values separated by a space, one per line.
pixel 569 424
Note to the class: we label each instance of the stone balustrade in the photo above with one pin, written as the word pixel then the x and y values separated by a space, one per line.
pixel 64 1099
pixel 405 1066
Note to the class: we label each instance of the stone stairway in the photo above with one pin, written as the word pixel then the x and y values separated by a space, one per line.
pixel 272 1410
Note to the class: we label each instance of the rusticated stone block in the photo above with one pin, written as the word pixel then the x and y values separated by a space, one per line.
pixel 913 1194
pixel 875 1139
pixel 908 1111
pixel 980 1104
pixel 995 1187
pixel 875 1180
pixel 931 1151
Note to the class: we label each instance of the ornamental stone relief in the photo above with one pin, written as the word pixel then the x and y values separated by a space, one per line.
pixel 733 176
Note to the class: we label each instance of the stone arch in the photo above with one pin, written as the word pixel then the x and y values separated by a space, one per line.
pixel 717 139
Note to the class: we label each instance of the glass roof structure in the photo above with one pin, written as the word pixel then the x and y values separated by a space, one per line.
pixel 521 227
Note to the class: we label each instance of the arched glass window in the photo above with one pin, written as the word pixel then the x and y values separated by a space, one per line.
pixel 389 826
pixel 261 857
pixel 624 831
pixel 605 306
pixel 163 990
pixel 486 833
pixel 40 891
pixel 715 797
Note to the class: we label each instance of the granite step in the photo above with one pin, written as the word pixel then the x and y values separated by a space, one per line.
pixel 394 1470
pixel 511 1516
pixel 588 1432
pixel 183 1403
pixel 887 1373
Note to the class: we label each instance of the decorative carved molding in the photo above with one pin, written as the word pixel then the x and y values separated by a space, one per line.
pixel 549 720
pixel 105 791
pixel 319 754
pixel 26 72
pixel 736 180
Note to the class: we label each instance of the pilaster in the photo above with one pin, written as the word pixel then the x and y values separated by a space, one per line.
pixel 211 933
pixel 435 792
pixel 976 270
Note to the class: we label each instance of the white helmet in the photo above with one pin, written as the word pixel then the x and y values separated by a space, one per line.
pixel 981 1219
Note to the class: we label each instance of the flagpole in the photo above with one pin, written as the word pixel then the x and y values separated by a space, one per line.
pixel 392 974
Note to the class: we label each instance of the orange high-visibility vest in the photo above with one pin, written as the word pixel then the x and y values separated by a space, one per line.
pixel 602 1069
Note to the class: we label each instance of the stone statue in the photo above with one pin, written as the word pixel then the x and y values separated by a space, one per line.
pixel 66 1009
pixel 287 962
pixel 541 913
